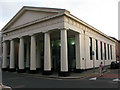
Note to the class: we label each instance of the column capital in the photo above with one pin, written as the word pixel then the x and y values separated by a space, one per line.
pixel 4 41
pixel 64 29
pixel 20 37
pixel 11 39
pixel 32 34
pixel 47 32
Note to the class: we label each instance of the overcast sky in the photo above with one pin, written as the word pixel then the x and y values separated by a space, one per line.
pixel 101 14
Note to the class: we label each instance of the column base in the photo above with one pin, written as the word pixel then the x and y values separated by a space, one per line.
pixel 78 70
pixel 47 72
pixel 4 69
pixel 27 69
pixel 33 71
pixel 21 70
pixel 11 69
pixel 64 73
pixel 38 69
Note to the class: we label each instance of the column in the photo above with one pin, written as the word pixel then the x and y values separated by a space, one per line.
pixel 77 47
pixel 106 55
pixel 38 55
pixel 99 54
pixel 94 50
pixel 47 54
pixel 12 55
pixel 64 54
pixel 103 53
pixel 83 51
pixel 4 63
pixel 33 54
pixel 114 52
pixel 28 56
pixel 106 52
pixel 109 53
pixel 21 55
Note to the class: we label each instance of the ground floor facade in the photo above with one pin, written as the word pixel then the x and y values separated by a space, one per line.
pixel 57 43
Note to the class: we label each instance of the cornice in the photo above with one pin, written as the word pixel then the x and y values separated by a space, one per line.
pixel 88 26
pixel 25 8
pixel 33 22
pixel 64 12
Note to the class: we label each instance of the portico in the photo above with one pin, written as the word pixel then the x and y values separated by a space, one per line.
pixel 50 40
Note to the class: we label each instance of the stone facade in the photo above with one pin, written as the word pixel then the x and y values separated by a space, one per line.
pixel 32 35
pixel 117 49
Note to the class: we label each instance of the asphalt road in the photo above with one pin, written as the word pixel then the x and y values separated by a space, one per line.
pixel 16 80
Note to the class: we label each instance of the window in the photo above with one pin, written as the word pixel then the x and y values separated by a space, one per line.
pixel 111 51
pixel 108 52
pixel 90 48
pixel 96 49
pixel 105 50
pixel 101 50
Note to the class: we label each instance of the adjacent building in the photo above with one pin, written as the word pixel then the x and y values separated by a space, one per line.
pixel 53 40
pixel 117 49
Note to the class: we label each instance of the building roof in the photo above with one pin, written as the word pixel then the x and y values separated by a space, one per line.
pixel 55 10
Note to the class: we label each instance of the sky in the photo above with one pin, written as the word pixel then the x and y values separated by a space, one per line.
pixel 101 14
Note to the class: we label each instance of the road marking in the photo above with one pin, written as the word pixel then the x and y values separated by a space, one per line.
pixel 20 86
pixel 14 78
pixel 93 79
pixel 3 87
pixel 116 80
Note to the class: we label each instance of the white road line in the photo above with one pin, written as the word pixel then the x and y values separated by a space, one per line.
pixel 116 80
pixel 93 79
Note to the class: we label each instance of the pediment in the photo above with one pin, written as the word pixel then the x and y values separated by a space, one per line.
pixel 29 14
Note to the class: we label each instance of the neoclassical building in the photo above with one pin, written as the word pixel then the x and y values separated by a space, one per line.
pixel 53 40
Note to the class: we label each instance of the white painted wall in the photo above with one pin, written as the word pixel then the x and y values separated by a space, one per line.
pixel 29 16
pixel 60 23
pixel 85 48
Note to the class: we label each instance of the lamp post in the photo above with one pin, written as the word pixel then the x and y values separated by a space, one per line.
pixel 0 59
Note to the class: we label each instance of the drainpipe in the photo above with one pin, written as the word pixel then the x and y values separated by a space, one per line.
pixel 84 50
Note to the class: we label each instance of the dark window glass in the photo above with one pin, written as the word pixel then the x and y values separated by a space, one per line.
pixel 96 49
pixel 101 49
pixel 111 51
pixel 105 50
pixel 90 48
pixel 108 52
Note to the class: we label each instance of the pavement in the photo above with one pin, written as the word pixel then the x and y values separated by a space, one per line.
pixel 3 87
pixel 109 73
pixel 86 79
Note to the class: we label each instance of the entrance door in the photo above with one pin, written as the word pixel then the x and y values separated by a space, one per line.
pixel 71 54
pixel 55 55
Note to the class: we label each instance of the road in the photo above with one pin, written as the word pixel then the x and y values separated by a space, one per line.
pixel 16 80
